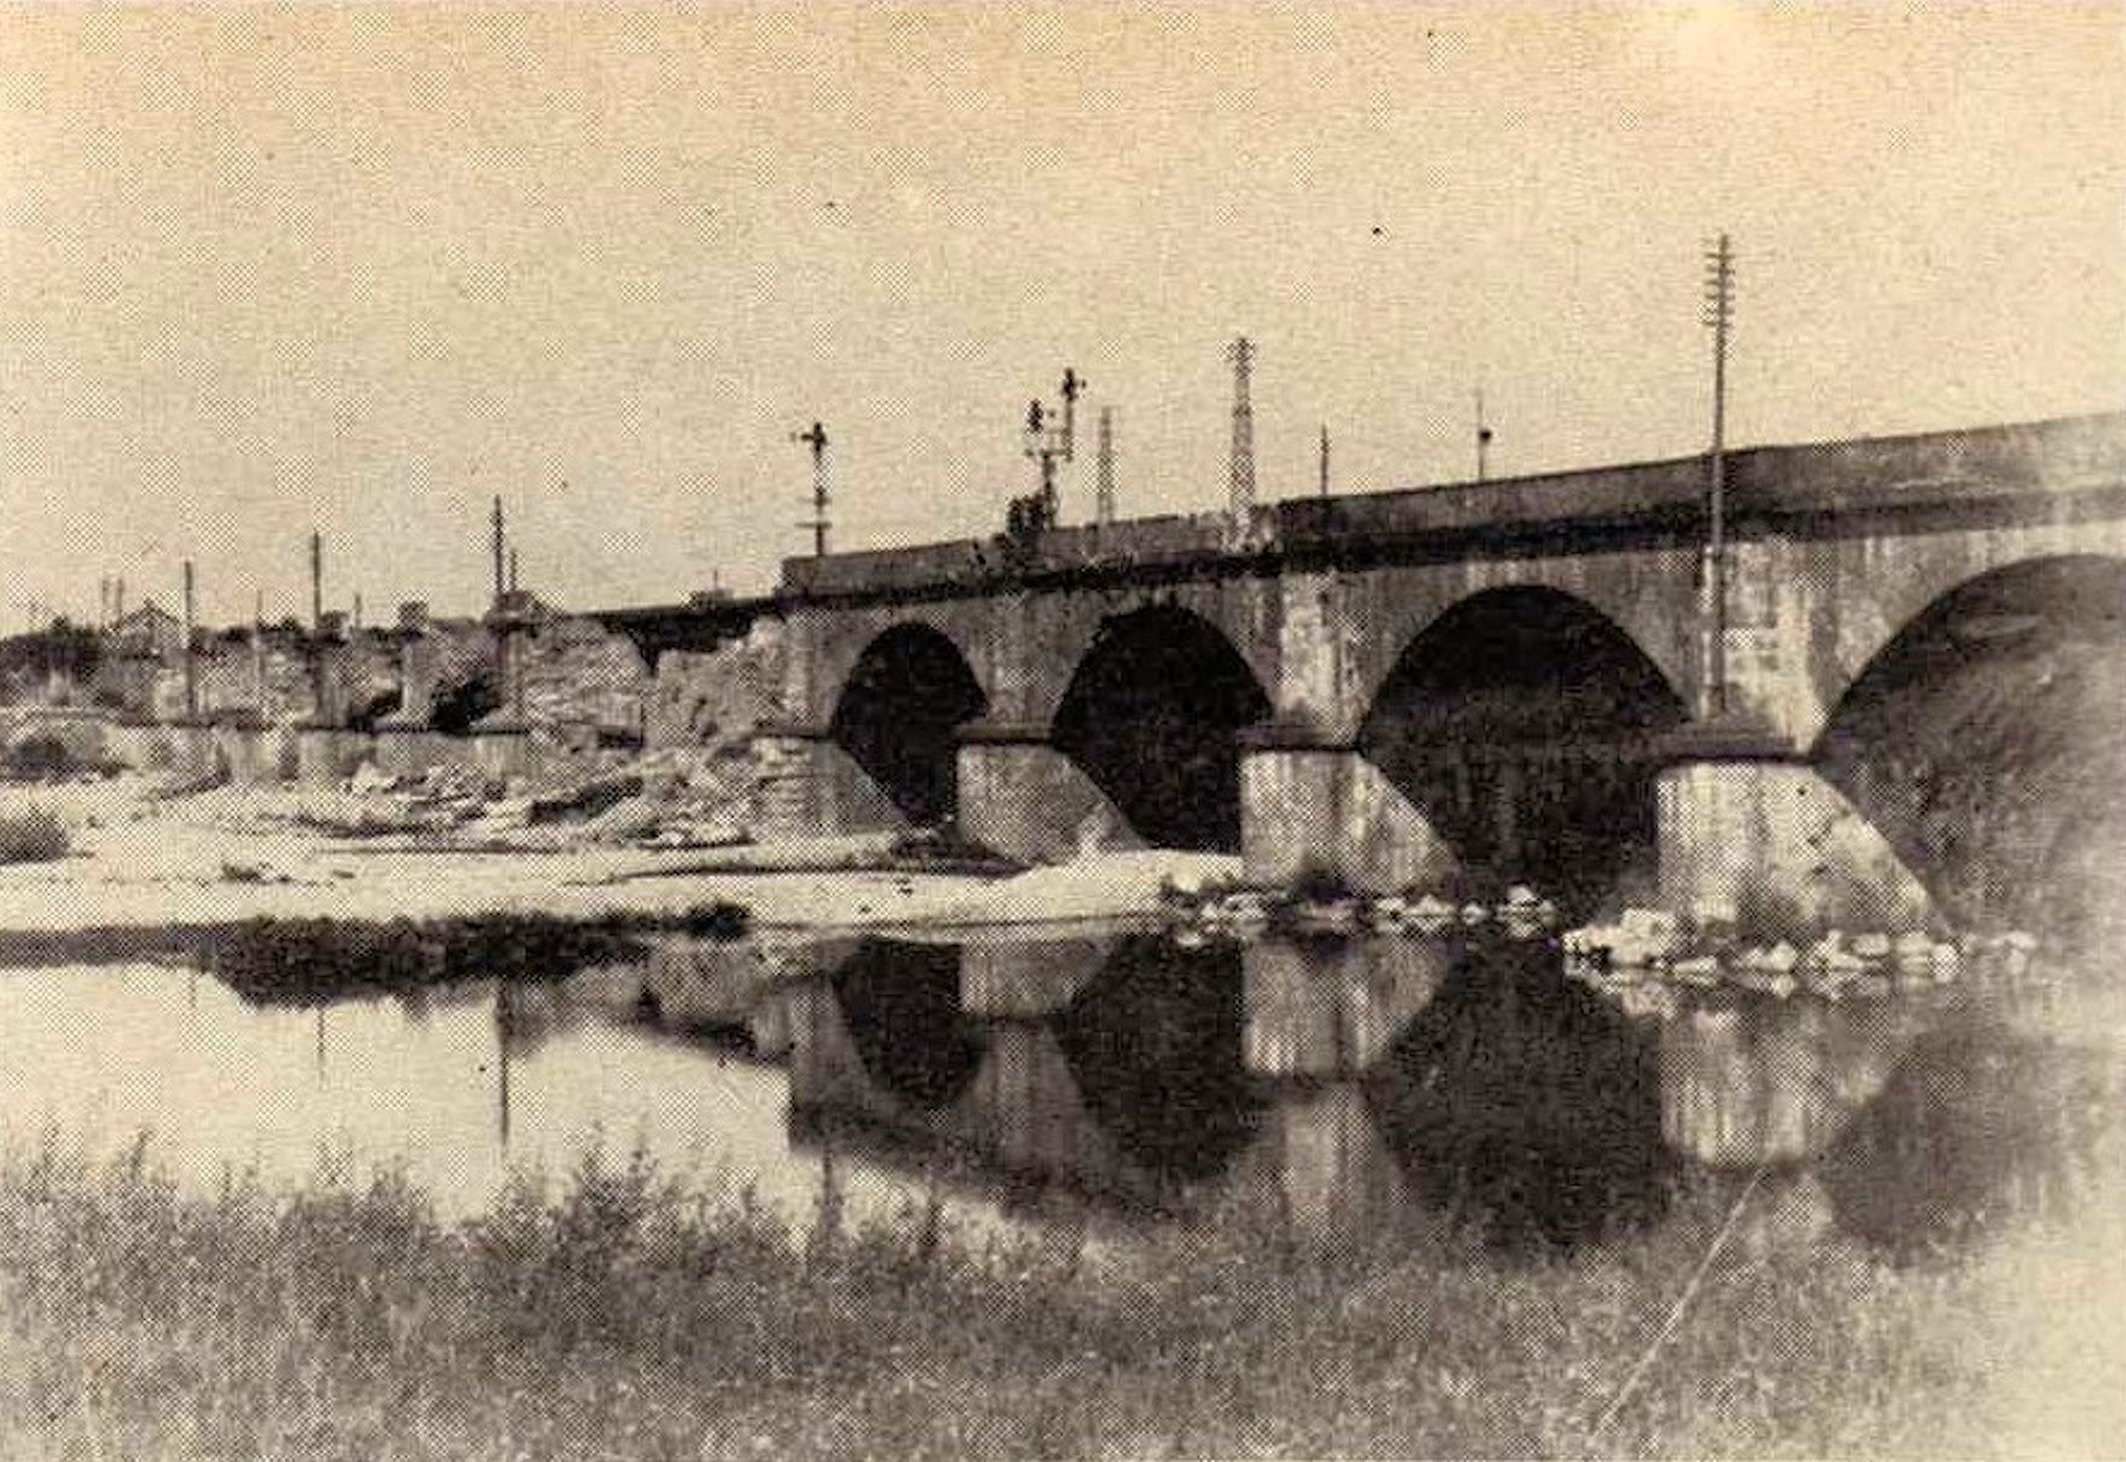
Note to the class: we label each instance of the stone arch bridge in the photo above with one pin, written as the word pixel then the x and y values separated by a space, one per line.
pixel 1505 677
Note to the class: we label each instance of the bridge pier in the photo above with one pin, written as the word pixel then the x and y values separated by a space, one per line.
pixel 405 744
pixel 1025 799
pixel 323 755
pixel 811 787
pixel 502 745
pixel 999 982
pixel 1776 1085
pixel 1314 802
pixel 1338 1181
pixel 1750 831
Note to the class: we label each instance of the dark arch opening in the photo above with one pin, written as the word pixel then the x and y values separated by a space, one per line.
pixel 907 695
pixel 461 706
pixel 1983 742
pixel 1153 717
pixel 369 711
pixel 1522 723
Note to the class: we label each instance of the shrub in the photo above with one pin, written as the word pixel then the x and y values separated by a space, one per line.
pixel 720 920
pixel 32 836
pixel 946 849
pixel 1317 882
pixel 315 961
pixel 39 759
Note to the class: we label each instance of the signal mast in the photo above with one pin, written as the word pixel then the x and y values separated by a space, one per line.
pixel 816 439
pixel 1049 441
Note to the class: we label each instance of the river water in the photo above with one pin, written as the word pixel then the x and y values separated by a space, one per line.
pixel 1339 1088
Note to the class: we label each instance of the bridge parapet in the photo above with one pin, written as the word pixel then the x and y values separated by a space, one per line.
pixel 2035 470
pixel 975 566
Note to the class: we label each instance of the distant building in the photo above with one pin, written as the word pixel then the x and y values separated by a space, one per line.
pixel 138 649
pixel 149 632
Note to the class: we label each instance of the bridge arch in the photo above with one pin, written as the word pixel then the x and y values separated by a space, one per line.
pixel 897 713
pixel 1981 741
pixel 1860 594
pixel 1650 596
pixel 1521 723
pixel 1152 716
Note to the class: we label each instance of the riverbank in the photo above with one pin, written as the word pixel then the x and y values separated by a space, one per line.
pixel 148 874
pixel 618 1315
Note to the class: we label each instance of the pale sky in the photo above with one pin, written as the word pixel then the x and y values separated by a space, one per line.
pixel 264 270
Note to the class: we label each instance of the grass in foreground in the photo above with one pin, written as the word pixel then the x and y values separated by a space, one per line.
pixel 621 1315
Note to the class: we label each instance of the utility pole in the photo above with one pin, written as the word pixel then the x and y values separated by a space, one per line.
pixel 495 545
pixel 816 439
pixel 1324 485
pixel 1483 438
pixel 191 662
pixel 513 568
pixel 1073 386
pixel 258 650
pixel 1104 470
pixel 1241 466
pixel 1719 316
pixel 317 581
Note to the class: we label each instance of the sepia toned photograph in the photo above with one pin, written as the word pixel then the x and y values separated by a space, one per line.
pixel 950 730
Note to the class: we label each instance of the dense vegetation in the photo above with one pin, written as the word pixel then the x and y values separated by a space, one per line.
pixel 618 1314
pixel 32 835
pixel 62 648
pixel 312 961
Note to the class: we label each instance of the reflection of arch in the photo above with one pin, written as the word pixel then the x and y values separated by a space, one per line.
pixel 896 716
pixel 1152 716
pixel 1528 1102
pixel 1155 1044
pixel 900 1004
pixel 1982 1129
pixel 1520 723
pixel 1981 740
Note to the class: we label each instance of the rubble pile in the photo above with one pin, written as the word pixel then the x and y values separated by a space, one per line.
pixel 1237 911
pixel 1651 945
pixel 673 798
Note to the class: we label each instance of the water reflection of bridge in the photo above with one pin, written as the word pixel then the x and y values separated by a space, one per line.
pixel 1342 1087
